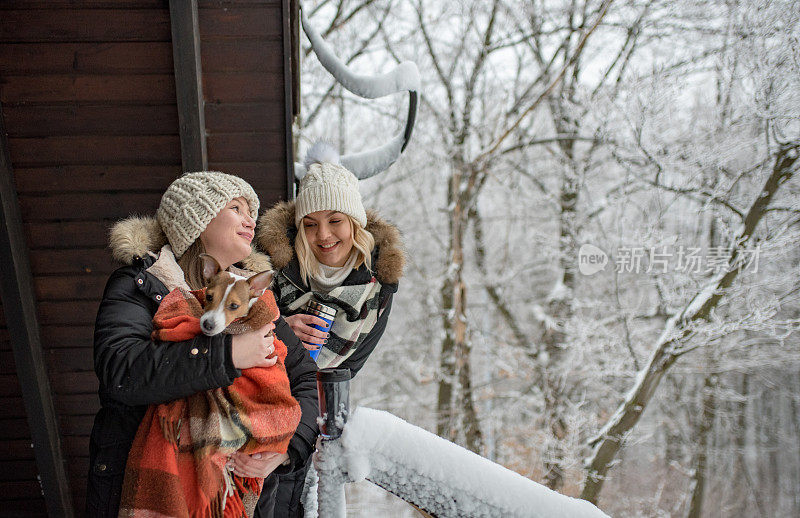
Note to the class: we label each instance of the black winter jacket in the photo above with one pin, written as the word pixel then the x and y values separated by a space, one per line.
pixel 290 485
pixel 135 372
pixel 362 275
pixel 275 234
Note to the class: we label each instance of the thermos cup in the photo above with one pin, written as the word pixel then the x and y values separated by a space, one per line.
pixel 333 389
pixel 324 312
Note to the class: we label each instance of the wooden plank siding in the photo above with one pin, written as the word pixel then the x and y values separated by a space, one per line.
pixel 241 46
pixel 89 102
pixel 20 314
pixel 88 95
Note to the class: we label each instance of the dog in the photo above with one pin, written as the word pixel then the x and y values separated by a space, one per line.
pixel 228 296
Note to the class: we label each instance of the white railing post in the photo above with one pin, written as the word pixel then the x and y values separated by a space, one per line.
pixel 333 388
pixel 330 486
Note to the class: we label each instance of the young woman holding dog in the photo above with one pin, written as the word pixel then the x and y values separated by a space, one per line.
pixel 325 246
pixel 205 212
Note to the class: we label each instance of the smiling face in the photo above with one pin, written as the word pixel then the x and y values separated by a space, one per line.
pixel 330 236
pixel 227 237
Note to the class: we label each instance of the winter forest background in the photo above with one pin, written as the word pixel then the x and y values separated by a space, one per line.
pixel 660 134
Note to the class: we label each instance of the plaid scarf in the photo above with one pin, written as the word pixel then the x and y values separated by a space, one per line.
pixel 358 307
pixel 176 466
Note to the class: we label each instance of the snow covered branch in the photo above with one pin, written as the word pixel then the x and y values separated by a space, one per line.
pixel 404 77
pixel 667 347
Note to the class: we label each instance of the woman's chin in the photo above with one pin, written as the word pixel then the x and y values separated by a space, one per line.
pixel 326 257
pixel 328 260
pixel 241 253
pixel 245 252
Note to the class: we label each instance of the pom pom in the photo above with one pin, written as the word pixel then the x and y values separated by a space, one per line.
pixel 321 152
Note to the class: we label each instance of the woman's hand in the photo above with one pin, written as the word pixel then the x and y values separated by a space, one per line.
pixel 258 465
pixel 252 349
pixel 301 325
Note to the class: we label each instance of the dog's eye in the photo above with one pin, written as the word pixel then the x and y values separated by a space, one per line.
pixel 209 297
pixel 234 306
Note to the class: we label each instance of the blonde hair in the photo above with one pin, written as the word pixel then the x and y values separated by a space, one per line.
pixel 191 265
pixel 363 244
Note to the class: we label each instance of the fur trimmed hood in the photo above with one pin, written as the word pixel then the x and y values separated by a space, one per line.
pixel 272 235
pixel 138 236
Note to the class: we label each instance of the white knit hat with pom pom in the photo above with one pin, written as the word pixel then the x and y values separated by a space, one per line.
pixel 328 185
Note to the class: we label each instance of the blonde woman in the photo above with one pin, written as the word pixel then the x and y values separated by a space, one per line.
pixel 326 247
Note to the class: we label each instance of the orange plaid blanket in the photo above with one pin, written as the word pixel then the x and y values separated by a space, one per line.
pixel 176 466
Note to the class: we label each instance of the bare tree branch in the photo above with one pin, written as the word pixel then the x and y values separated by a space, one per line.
pixel 480 60
pixel 705 195
pixel 549 140
pixel 339 20
pixel 550 88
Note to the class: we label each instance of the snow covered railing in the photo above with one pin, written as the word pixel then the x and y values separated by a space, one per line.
pixel 437 476
pixel 404 77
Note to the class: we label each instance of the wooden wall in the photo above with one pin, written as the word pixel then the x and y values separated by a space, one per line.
pixel 241 46
pixel 88 98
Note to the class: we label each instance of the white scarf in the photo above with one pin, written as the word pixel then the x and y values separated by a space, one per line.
pixel 167 270
pixel 329 277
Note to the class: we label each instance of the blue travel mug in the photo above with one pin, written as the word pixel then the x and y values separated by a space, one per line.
pixel 324 312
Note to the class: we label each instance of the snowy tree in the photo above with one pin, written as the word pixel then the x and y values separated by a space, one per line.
pixel 665 135
pixel 710 313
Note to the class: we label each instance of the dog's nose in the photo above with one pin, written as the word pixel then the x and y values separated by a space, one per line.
pixel 208 325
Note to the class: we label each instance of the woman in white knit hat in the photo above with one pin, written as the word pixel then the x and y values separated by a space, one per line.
pixel 204 212
pixel 326 247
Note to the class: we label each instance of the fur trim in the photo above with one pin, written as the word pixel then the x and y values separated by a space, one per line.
pixel 137 236
pixel 273 225
pixel 134 237
pixel 257 262
pixel 391 258
pixel 271 233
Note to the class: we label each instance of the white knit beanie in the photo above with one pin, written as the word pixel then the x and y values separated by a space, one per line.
pixel 328 185
pixel 194 199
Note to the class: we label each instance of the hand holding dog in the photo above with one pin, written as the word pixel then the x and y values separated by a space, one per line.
pixel 252 349
pixel 301 325
pixel 258 465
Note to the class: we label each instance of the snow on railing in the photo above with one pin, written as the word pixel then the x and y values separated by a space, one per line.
pixel 404 77
pixel 439 477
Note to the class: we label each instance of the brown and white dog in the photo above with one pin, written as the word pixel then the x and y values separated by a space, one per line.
pixel 228 296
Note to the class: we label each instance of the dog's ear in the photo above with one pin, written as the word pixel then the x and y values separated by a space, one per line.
pixel 211 266
pixel 260 282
